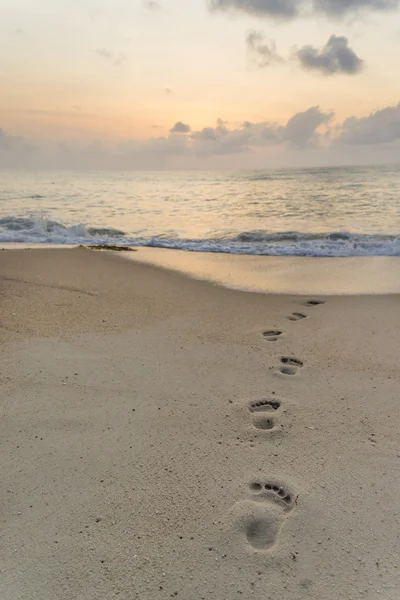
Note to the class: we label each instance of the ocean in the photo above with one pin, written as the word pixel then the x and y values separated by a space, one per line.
pixel 303 212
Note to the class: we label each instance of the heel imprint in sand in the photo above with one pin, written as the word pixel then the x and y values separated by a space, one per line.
pixel 264 423
pixel 297 317
pixel 290 365
pixel 272 335
pixel 262 530
pixel 314 302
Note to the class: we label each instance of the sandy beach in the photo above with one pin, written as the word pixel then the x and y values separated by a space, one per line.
pixel 164 437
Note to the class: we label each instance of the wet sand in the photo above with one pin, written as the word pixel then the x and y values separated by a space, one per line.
pixel 166 437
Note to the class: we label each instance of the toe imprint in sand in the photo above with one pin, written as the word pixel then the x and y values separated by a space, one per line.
pixel 297 317
pixel 290 365
pixel 314 302
pixel 262 531
pixel 264 406
pixel 291 360
pixel 272 335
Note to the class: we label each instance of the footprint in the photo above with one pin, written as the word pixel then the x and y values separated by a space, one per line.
pixel 272 335
pixel 297 316
pixel 262 411
pixel 314 302
pixel 290 365
pixel 267 511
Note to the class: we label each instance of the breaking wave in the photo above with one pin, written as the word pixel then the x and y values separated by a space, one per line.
pixel 288 243
pixel 30 230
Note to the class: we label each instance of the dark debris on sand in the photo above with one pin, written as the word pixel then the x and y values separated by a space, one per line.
pixel 110 247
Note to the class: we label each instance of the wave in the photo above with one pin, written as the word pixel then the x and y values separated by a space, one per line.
pixel 30 230
pixel 269 177
pixel 263 243
pixel 282 244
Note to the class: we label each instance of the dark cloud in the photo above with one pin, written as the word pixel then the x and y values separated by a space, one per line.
pixel 115 58
pixel 262 52
pixel 335 57
pixel 290 9
pixel 211 133
pixel 213 141
pixel 338 8
pixel 301 129
pixel 180 127
pixel 284 9
pixel 380 127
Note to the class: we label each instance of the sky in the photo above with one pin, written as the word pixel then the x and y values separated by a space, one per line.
pixel 199 84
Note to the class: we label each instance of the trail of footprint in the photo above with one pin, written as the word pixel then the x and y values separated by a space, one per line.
pixel 272 335
pixel 296 316
pixel 290 365
pixel 268 509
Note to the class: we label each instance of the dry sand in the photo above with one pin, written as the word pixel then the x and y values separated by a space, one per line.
pixel 155 444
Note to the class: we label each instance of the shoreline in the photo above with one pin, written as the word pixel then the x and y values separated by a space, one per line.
pixel 289 275
pixel 164 437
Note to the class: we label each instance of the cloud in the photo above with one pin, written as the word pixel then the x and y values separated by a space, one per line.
pixel 168 91
pixel 291 9
pixel 380 127
pixel 181 144
pixel 284 9
pixel 335 57
pixel 8 143
pixel 301 129
pixel 211 133
pixel 115 58
pixel 15 151
pixel 262 52
pixel 338 8
pixel 219 140
pixel 307 138
pixel 180 127
pixel 152 5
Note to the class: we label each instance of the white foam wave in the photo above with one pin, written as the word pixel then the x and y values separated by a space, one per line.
pixel 321 247
pixel 39 230
pixel 289 243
